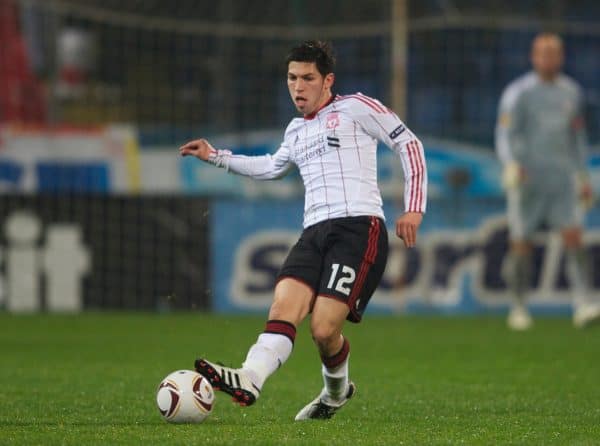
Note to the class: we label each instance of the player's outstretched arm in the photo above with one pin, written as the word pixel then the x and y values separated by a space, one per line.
pixel 407 226
pixel 264 167
pixel 200 148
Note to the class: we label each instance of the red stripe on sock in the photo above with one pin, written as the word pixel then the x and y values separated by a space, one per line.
pixel 337 359
pixel 283 328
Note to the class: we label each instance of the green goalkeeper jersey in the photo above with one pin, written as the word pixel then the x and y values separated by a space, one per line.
pixel 541 127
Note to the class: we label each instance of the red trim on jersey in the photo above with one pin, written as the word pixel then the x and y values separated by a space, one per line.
pixel 368 259
pixel 365 100
pixel 421 176
pixel 418 178
pixel 375 103
pixel 412 177
pixel 417 174
pixel 313 114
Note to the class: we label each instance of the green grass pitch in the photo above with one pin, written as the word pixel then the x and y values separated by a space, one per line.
pixel 91 379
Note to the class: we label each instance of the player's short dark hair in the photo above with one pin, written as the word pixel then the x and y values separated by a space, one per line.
pixel 317 51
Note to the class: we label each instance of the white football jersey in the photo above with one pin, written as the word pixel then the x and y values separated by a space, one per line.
pixel 335 150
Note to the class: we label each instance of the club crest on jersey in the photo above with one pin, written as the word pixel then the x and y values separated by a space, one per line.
pixel 333 120
pixel 397 131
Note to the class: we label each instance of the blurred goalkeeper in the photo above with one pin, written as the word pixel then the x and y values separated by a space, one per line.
pixel 541 141
pixel 336 265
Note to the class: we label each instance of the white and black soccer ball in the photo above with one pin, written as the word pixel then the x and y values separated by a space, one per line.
pixel 185 396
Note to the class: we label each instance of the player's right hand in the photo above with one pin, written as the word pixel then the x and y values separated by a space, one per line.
pixel 513 175
pixel 407 226
pixel 200 148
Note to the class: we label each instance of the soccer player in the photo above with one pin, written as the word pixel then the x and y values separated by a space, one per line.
pixel 541 141
pixel 334 268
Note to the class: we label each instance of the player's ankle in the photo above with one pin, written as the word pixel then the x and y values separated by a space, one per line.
pixel 254 377
pixel 335 397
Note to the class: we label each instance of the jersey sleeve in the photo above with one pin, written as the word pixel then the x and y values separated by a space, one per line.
pixel 579 132
pixel 509 126
pixel 264 167
pixel 383 124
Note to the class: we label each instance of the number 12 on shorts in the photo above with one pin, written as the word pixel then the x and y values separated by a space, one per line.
pixel 346 278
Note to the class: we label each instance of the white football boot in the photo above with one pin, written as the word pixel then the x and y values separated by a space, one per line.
pixel 519 318
pixel 323 407
pixel 228 380
pixel 586 315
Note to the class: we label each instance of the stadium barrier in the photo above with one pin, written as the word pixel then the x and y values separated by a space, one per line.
pixel 99 159
pixel 75 252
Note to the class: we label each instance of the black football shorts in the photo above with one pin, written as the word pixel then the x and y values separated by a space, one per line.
pixel 342 258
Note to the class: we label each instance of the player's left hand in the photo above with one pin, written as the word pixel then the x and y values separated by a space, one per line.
pixel 200 148
pixel 407 226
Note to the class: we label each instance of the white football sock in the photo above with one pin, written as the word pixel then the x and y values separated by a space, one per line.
pixel 336 380
pixel 267 355
pixel 516 271
pixel 577 272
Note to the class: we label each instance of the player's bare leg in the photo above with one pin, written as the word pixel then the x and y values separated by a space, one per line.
pixel 327 321
pixel 517 272
pixel 586 312
pixel 273 347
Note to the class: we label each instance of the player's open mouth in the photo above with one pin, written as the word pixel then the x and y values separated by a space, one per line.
pixel 300 100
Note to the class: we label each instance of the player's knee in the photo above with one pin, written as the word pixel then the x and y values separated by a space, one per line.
pixel 289 307
pixel 277 310
pixel 324 334
pixel 284 310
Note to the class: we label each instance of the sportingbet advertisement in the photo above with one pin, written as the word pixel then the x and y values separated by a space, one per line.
pixel 456 267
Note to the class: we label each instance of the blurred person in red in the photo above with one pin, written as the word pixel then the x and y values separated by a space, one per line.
pixel 22 97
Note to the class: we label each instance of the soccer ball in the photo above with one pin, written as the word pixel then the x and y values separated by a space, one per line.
pixel 185 396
